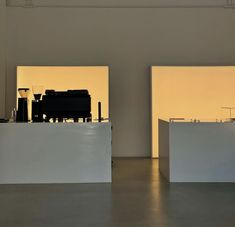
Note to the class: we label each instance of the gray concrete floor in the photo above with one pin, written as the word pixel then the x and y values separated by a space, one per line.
pixel 138 196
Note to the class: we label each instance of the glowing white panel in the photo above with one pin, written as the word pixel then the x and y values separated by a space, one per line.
pixel 192 93
pixel 93 78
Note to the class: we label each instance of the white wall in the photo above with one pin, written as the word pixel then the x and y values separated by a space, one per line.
pixel 2 56
pixel 129 40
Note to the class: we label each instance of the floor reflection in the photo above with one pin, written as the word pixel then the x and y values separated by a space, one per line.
pixel 138 196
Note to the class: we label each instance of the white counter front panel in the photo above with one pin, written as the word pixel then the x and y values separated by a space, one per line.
pixel 55 153
pixel 198 152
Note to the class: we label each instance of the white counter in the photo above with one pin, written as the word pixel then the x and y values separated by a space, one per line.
pixel 55 153
pixel 197 152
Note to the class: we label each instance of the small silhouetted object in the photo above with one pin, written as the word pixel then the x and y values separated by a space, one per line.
pixel 99 112
pixel 89 119
pixel 37 114
pixel 3 120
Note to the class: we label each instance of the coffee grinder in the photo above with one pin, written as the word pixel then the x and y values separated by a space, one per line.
pixel 37 114
pixel 22 113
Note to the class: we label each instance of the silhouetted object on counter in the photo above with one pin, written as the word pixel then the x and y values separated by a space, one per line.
pixel 3 120
pixel 100 118
pixel 22 113
pixel 99 112
pixel 13 115
pixel 60 105
pixel 37 114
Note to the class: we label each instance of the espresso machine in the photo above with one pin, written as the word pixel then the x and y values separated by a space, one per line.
pixel 64 105
pixel 37 112
pixel 22 112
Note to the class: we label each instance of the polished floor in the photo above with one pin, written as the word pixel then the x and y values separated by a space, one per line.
pixel 138 196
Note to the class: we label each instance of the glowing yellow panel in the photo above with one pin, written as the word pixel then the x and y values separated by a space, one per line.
pixel 192 93
pixel 93 78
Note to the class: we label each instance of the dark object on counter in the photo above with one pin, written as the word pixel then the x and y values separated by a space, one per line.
pixel 22 113
pixel 37 96
pixel 2 120
pixel 172 119
pixel 37 115
pixel 61 105
pixel 99 112
pixel 37 91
